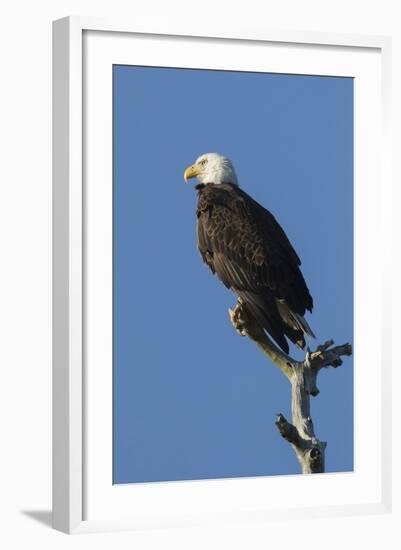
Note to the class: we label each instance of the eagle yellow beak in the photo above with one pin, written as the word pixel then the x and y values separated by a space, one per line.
pixel 191 172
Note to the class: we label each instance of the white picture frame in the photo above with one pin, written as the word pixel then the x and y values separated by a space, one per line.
pixel 83 496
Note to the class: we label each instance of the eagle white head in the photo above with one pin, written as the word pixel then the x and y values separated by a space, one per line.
pixel 212 168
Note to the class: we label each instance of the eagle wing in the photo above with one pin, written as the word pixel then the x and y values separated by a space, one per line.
pixel 247 249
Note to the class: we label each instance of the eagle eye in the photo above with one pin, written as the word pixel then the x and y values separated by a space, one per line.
pixel 203 162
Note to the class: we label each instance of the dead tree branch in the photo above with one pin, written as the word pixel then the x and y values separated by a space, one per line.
pixel 302 375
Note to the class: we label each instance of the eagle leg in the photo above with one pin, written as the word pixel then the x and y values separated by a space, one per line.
pixel 237 320
pixel 243 322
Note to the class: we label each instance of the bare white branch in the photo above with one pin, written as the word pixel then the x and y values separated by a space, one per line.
pixel 302 375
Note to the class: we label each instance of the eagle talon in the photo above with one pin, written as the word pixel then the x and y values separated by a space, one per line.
pixel 237 322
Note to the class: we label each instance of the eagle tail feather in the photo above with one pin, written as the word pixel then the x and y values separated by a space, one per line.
pixel 267 316
pixel 304 325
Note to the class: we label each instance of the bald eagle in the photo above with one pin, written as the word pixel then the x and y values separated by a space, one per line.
pixel 243 244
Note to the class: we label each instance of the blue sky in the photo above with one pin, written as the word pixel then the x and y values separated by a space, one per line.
pixel 192 399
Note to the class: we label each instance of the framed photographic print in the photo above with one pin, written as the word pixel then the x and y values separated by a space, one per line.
pixel 218 318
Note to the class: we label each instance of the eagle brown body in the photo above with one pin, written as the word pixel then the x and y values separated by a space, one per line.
pixel 243 244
